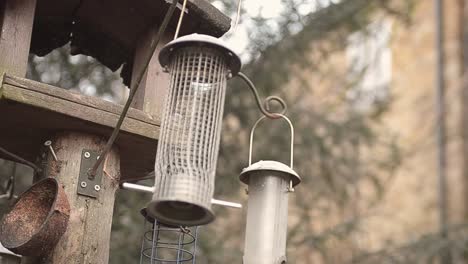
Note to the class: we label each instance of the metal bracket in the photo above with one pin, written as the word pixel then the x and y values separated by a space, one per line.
pixel 89 186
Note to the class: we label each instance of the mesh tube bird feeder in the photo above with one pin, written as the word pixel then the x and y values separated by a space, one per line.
pixel 199 67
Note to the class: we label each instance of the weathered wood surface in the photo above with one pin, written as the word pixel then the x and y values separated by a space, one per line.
pixel 153 87
pixel 109 30
pixel 31 112
pixel 16 25
pixel 87 238
pixel 71 103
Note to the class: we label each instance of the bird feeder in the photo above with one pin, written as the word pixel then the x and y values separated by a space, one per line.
pixel 167 244
pixel 199 66
pixel 269 184
pixel 120 34
pixel 37 220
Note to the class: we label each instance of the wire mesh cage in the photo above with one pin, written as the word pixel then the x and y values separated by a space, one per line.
pixel 188 146
pixel 163 244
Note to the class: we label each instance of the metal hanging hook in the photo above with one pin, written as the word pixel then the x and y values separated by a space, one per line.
pixel 292 138
pixel 265 107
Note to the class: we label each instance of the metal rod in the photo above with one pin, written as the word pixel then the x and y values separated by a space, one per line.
pixel 179 23
pixel 445 255
pixel 137 187
pixel 134 88
pixel 154 248
pixel 264 109
pixel 143 240
pixel 227 204
pixel 20 160
pixel 236 23
pixel 179 246
pixel 195 245
pixel 147 189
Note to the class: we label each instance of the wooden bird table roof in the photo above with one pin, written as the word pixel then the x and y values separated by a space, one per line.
pixel 109 30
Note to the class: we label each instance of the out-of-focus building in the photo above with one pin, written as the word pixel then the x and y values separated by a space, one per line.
pixel 395 61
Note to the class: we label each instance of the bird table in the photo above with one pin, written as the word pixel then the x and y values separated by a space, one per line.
pixel 118 34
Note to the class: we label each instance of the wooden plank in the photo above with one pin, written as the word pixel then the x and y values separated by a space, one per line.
pixel 76 110
pixel 153 88
pixel 24 129
pixel 75 97
pixel 79 106
pixel 32 112
pixel 15 35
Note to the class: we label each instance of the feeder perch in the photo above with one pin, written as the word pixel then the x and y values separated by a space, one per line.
pixel 37 221
pixel 269 184
pixel 199 66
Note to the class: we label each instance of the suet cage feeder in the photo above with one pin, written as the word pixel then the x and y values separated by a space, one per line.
pixel 163 244
pixel 199 67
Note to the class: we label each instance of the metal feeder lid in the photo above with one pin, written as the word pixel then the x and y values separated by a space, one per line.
pixel 233 60
pixel 144 213
pixel 150 219
pixel 269 165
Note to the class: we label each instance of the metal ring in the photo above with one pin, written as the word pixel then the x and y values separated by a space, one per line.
pixel 292 137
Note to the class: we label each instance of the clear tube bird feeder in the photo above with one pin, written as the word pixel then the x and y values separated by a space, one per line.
pixel 199 67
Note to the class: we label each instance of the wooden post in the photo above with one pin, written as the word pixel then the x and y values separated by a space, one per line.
pixel 16 22
pixel 153 87
pixel 88 234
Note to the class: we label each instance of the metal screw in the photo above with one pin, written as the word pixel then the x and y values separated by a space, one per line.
pixel 290 188
pixel 97 188
pixel 83 184
pixel 87 154
pixel 48 144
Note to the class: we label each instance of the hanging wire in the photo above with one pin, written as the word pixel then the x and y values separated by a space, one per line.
pixel 265 107
pixel 133 90
pixel 236 23
pixel 179 24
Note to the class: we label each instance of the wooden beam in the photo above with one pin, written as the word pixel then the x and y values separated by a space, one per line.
pixel 80 106
pixel 153 87
pixel 35 111
pixel 15 35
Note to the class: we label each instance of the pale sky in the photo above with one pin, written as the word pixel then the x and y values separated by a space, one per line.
pixel 268 9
